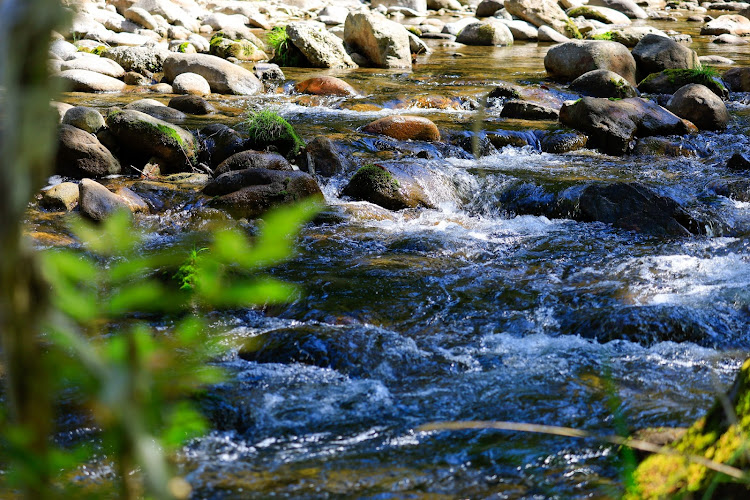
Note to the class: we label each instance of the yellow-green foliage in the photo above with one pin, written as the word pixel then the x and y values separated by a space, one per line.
pixel 267 127
pixel 717 437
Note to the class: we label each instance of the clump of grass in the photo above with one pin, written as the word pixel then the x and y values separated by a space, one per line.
pixel 183 47
pixel 607 35
pixel 266 128
pixel 284 51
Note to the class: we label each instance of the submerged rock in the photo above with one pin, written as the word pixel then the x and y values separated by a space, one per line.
pixel 612 125
pixel 572 59
pixel 562 141
pixel 324 158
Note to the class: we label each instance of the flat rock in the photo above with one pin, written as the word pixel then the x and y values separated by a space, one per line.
pixel 326 85
pixel 253 159
pixel 222 76
pixel 96 64
pixel 404 127
pixel 192 104
pixel 157 110
pixel 527 111
pixel 81 80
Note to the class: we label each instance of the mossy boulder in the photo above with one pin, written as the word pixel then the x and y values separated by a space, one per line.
pixel 670 81
pixel 718 436
pixel 145 136
pixel 268 130
pixel 603 83
pixel 390 188
pixel 243 50
pixel 655 53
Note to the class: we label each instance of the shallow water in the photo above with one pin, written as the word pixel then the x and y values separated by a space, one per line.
pixel 469 311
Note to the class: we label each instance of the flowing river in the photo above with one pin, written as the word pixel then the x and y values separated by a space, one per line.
pixel 470 311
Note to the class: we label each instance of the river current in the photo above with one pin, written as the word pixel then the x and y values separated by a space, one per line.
pixel 470 311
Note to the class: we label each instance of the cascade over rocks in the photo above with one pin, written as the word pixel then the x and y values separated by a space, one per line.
pixel 612 125
pixel 570 60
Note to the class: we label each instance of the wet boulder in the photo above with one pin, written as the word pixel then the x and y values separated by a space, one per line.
pixel 252 192
pixel 737 189
pixel 146 136
pixel 390 188
pixel 603 83
pixel 738 79
pixel 404 127
pixel 485 33
pixel 97 202
pixel 739 162
pixel 191 104
pixel 543 13
pixel 321 48
pixel 613 125
pixel 655 53
pixel 80 154
pixel 63 196
pixel 698 104
pixel 666 146
pixel 240 49
pixel 570 60
pixel 253 160
pixel 324 157
pixel 635 207
pixel 525 110
pixel 81 80
pixel 157 110
pixel 222 76
pixel 728 24
pixel 670 81
pixel 325 85
pixel 85 118
pixel 219 142
pixel 383 42
pixel 562 141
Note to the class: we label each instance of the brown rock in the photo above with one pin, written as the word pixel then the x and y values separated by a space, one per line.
pixel 404 127
pixel 326 85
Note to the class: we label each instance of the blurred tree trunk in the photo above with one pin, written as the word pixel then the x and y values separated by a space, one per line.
pixel 27 128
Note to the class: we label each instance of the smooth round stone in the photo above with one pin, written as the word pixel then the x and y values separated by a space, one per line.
pixel 96 64
pixel 81 80
pixel 85 118
pixel 191 83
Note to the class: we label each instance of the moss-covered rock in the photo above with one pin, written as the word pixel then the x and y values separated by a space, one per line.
pixel 389 188
pixel 241 49
pixel 670 81
pixel 718 437
pixel 267 130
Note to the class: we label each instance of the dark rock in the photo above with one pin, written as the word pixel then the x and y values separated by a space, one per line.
pixel 252 192
pixel 562 141
pixel 253 160
pixel 157 110
pixel 738 79
pixel 670 81
pixel 570 60
pixel 323 157
pixel 612 125
pixel 516 138
pixel 656 53
pixel 735 189
pixel 147 136
pixel 698 104
pixel 664 146
pixel 80 154
pixel 603 83
pixel 97 202
pixel 477 145
pixel 191 104
pixel 739 162
pixel 219 142
pixel 635 207
pixel 527 111
pixel 505 91
pixel 486 8
pixel 390 188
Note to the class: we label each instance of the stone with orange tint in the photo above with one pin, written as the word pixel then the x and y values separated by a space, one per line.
pixel 404 127
pixel 326 85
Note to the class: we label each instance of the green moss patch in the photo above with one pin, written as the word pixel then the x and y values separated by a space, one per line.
pixel 267 128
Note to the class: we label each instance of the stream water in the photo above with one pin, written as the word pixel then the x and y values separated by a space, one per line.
pixel 469 311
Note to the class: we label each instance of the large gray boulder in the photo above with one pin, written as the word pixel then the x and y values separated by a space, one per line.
pixel 143 135
pixel 85 118
pixel 80 154
pixel 223 76
pixel 613 125
pixel 570 60
pixel 320 47
pixel 701 106
pixel 486 33
pixel 142 60
pixel 628 7
pixel 655 53
pixel 542 13
pixel 731 24
pixel 81 80
pixel 97 202
pixel 383 42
